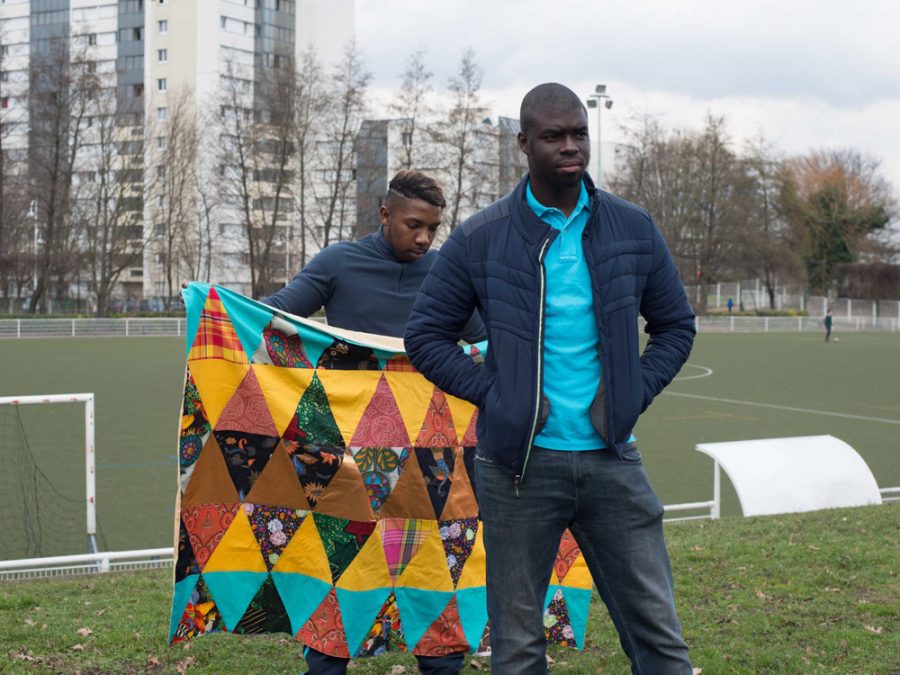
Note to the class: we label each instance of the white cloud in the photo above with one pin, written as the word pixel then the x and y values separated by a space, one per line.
pixel 806 73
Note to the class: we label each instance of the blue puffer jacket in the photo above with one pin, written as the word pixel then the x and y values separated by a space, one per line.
pixel 494 261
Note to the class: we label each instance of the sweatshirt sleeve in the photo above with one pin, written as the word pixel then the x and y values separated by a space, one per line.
pixel 313 285
pixel 443 307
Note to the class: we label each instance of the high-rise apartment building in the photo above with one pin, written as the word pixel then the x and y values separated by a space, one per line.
pixel 176 94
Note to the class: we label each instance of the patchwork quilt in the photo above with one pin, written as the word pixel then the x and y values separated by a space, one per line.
pixel 326 490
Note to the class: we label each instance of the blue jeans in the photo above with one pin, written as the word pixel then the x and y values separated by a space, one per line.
pixel 616 519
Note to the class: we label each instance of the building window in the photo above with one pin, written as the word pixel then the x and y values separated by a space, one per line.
pixel 91 67
pixel 92 39
pixel 162 55
pixel 4 76
pixel 162 26
pixel 136 34
pixel 161 172
pixel 137 90
pixel 223 22
pixel 160 142
pixel 162 114
pixel 4 102
pixel 161 84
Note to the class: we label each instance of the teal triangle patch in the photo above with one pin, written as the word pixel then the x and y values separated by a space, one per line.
pixel 194 297
pixel 578 603
pixel 358 610
pixel 180 597
pixel 232 592
pixel 472 606
pixel 248 318
pixel 418 609
pixel 314 341
pixel 301 595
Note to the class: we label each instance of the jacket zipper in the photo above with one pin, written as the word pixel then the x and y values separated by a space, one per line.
pixel 517 481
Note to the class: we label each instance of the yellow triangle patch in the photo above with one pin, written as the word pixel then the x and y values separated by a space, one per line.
pixel 578 576
pixel 216 381
pixel 238 551
pixel 428 568
pixel 283 389
pixel 349 393
pixel 473 574
pixel 413 394
pixel 305 554
pixel 462 412
pixel 369 569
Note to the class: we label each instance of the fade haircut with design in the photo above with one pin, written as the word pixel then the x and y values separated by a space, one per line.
pixel 413 184
pixel 550 96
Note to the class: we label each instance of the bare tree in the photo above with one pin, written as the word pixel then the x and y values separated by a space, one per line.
pixel 107 204
pixel 256 154
pixel 767 248
pixel 410 105
pixel 15 225
pixel 457 134
pixel 311 105
pixel 60 96
pixel 171 191
pixel 337 155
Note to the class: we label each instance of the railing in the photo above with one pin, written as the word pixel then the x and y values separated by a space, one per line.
pixel 60 328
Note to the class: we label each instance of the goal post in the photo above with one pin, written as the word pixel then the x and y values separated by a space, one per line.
pixel 89 464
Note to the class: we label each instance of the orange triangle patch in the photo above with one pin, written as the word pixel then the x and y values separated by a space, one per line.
pixel 210 482
pixel 346 496
pixel 437 429
pixel 461 502
pixel 409 498
pixel 277 485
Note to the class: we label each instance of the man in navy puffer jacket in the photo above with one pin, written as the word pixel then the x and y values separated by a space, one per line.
pixel 559 271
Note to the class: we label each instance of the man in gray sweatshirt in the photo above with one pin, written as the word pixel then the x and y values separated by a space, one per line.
pixel 370 285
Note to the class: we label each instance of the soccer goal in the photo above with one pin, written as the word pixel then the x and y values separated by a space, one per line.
pixel 42 508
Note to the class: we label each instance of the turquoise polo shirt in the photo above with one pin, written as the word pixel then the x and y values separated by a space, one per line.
pixel 572 365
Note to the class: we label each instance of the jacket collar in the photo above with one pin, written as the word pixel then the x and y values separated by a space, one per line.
pixel 382 246
pixel 533 228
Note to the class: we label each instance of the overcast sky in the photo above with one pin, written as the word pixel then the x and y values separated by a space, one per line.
pixel 806 74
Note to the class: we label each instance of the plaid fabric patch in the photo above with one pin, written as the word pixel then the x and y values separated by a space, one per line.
pixel 400 363
pixel 216 338
pixel 401 539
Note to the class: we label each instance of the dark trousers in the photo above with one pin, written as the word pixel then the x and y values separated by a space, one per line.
pixel 323 664
pixel 616 519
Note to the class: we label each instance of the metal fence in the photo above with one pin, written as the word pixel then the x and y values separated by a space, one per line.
pixel 169 327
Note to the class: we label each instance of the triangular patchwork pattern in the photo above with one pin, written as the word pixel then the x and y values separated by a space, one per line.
pixel 328 491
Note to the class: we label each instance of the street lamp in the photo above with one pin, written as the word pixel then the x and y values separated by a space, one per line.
pixel 594 101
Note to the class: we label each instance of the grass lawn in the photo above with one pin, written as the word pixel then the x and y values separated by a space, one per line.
pixel 808 593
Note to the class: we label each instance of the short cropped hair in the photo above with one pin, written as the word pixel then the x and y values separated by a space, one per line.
pixel 416 185
pixel 548 96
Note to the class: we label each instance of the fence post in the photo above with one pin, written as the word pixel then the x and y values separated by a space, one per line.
pixel 767 325
pixel 178 327
pixel 799 324
pixel 127 326
pixel 732 322
pixel 73 327
pixel 18 328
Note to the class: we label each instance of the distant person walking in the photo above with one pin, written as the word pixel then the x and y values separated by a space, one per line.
pixel 730 304
pixel 828 323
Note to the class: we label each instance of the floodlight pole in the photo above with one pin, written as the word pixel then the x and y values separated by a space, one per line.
pixel 599 100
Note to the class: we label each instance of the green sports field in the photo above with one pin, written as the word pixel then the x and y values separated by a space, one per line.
pixel 736 386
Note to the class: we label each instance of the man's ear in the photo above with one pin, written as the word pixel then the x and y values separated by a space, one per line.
pixel 523 142
pixel 385 214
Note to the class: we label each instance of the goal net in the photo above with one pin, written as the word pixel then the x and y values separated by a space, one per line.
pixel 47 490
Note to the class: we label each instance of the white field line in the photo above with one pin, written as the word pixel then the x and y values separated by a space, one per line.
pixel 784 407
pixel 683 378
